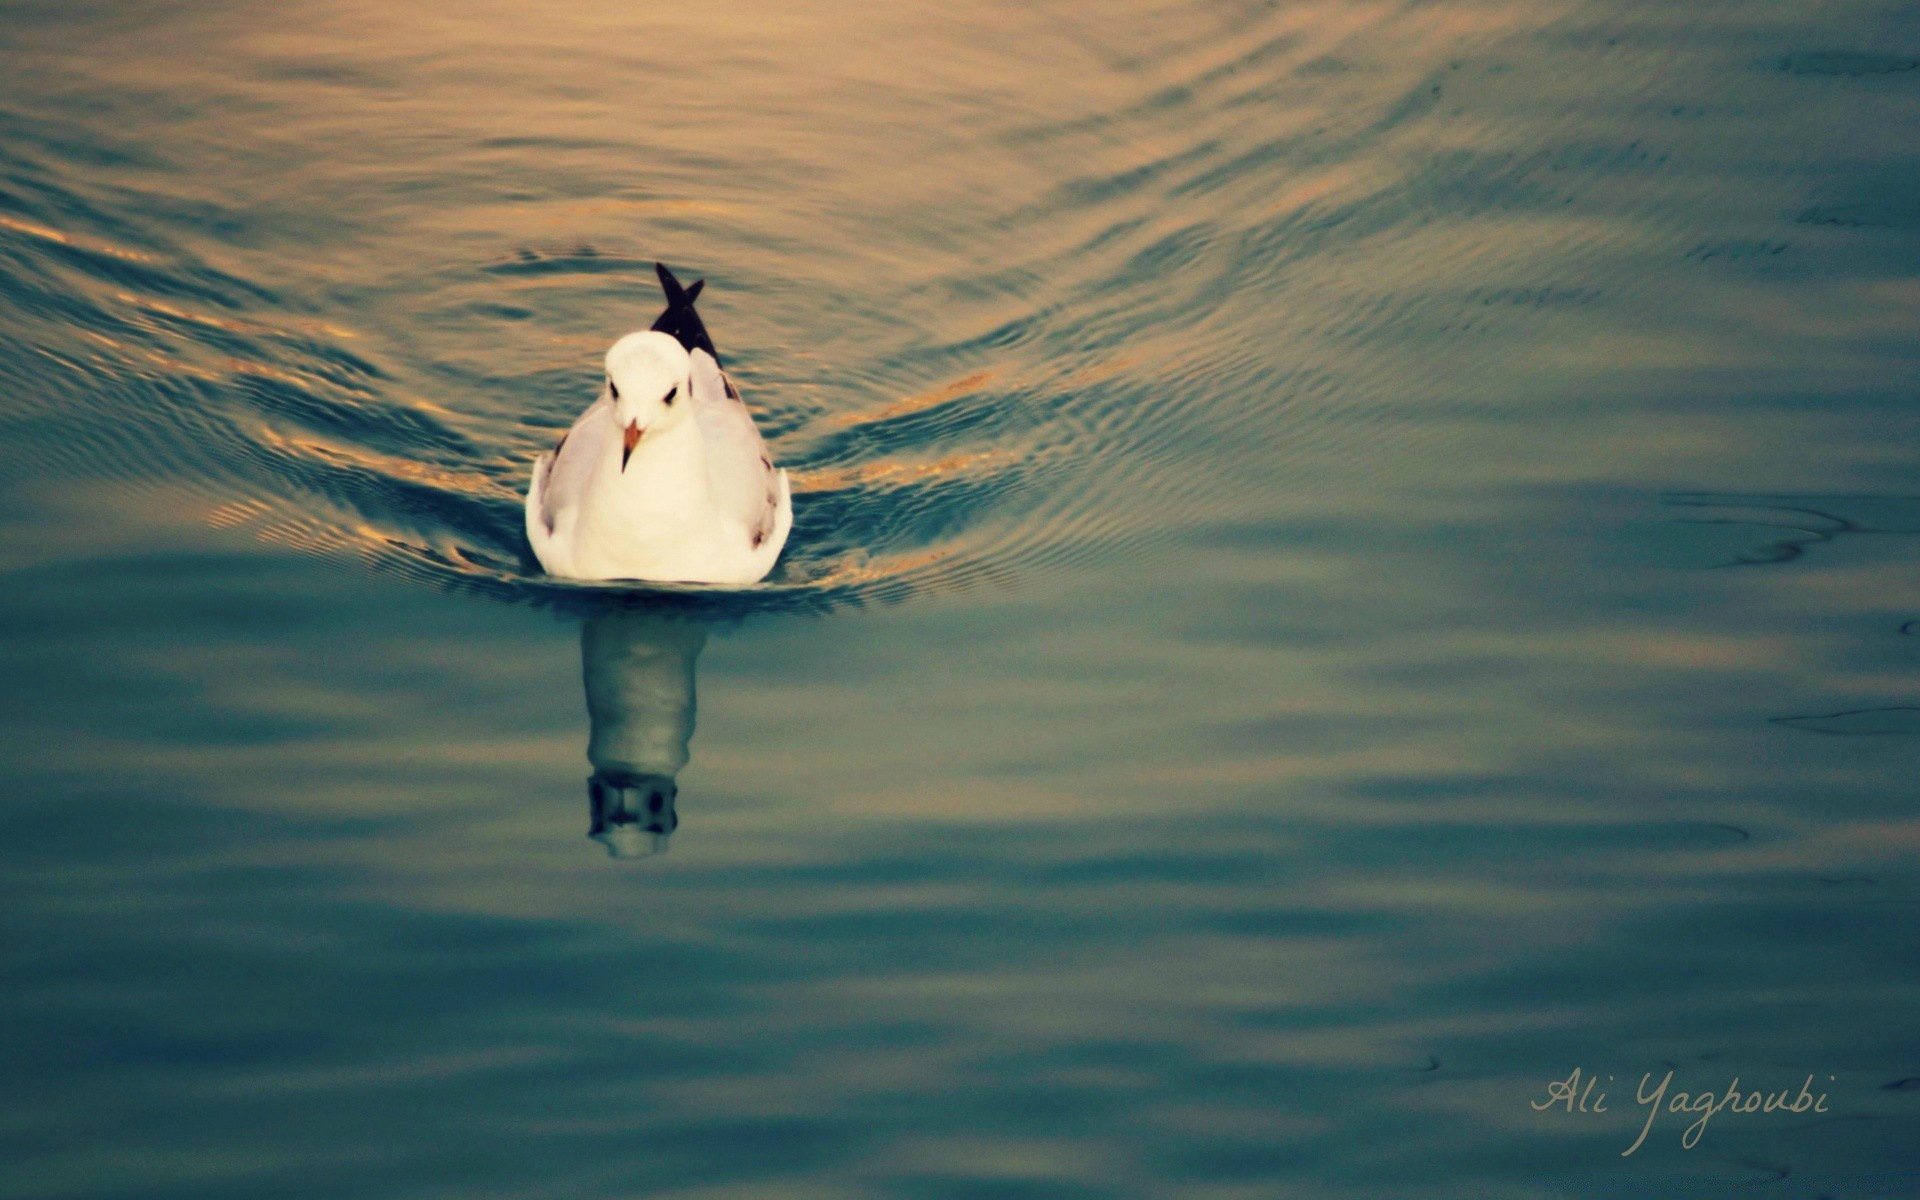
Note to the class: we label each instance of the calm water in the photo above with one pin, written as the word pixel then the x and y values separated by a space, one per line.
pixel 1351 559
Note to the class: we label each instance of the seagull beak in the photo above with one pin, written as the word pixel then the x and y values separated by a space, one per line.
pixel 631 439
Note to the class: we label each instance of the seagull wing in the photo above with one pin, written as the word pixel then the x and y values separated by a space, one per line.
pixel 740 475
pixel 562 476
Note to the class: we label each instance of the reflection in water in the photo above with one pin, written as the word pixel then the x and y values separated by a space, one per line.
pixel 638 668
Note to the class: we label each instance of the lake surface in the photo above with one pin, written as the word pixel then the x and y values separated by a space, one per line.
pixel 1351 560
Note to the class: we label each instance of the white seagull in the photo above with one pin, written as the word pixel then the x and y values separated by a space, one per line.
pixel 664 477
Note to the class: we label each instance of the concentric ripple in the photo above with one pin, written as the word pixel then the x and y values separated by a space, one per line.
pixel 1205 276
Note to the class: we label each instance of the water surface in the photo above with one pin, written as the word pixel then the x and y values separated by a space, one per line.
pixel 1350 559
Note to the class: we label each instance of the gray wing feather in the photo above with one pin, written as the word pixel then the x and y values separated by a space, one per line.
pixel 740 473
pixel 584 445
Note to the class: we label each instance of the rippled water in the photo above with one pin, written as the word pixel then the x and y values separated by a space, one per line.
pixel 1350 559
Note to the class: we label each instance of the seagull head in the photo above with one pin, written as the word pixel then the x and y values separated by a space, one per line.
pixel 649 379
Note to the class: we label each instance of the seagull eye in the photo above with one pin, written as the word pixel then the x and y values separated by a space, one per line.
pixel 611 389
pixel 671 393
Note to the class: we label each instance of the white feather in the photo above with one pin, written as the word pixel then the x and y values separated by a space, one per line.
pixel 698 501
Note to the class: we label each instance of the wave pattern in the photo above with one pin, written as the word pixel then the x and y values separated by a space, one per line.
pixel 1213 273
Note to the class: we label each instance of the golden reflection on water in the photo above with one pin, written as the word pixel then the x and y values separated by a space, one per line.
pixel 875 162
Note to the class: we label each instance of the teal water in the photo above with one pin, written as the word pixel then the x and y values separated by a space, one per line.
pixel 1351 559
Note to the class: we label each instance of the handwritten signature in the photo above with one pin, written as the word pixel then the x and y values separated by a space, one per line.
pixel 1576 1093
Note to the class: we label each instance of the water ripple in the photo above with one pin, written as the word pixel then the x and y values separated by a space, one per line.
pixel 1243 238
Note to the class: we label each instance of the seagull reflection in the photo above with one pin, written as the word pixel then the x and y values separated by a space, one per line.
pixel 638 667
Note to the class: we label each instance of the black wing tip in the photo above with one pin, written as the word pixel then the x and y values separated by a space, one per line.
pixel 670 284
pixel 680 319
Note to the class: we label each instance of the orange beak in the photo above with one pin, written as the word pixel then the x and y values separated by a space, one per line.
pixel 631 440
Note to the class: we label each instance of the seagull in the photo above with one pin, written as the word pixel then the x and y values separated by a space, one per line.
pixel 664 477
